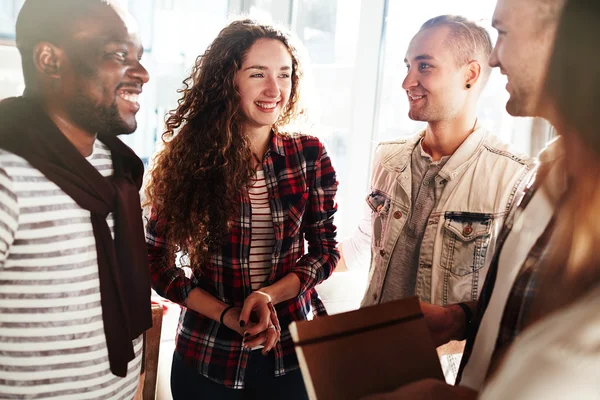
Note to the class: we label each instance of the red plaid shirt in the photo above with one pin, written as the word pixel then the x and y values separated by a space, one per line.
pixel 302 184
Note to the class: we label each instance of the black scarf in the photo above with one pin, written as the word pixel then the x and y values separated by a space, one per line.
pixel 27 131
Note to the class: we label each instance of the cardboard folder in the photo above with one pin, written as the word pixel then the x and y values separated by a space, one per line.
pixel 372 350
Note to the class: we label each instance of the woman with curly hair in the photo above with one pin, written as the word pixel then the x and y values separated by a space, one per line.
pixel 237 197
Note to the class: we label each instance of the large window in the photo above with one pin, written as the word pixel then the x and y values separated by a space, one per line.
pixel 8 15
pixel 11 78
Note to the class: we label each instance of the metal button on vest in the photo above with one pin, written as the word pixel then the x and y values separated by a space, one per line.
pixel 382 252
pixel 398 214
pixel 467 230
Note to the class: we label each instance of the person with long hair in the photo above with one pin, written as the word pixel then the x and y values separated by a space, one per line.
pixel 235 196
pixel 558 356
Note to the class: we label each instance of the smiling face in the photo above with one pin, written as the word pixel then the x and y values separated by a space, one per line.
pixel 435 84
pixel 264 83
pixel 102 77
pixel 522 53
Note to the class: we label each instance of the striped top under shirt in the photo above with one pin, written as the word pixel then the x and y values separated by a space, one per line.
pixel 263 236
pixel 52 342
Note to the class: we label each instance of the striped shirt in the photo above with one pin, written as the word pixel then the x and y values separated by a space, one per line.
pixel 263 236
pixel 52 342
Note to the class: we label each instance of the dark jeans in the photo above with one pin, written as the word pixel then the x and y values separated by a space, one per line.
pixel 260 382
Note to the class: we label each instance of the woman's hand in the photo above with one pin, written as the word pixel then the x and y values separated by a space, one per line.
pixel 266 331
pixel 231 319
pixel 264 327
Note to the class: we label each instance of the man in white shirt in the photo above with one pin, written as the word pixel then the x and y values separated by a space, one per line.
pixel 526 31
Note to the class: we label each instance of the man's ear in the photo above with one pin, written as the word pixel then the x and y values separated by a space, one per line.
pixel 473 72
pixel 48 60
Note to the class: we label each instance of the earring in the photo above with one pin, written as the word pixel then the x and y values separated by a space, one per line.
pixel 468 86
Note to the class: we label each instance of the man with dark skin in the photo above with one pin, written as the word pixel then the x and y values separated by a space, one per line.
pixel 90 82
pixel 75 293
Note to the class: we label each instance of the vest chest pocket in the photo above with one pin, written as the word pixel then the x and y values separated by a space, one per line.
pixel 380 207
pixel 465 242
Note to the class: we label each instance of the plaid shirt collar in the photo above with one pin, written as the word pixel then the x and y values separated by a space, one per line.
pixel 276 146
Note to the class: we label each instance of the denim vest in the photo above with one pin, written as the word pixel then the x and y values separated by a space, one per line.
pixel 475 190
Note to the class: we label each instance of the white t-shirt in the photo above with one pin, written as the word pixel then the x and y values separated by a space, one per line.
pixel 556 358
pixel 528 226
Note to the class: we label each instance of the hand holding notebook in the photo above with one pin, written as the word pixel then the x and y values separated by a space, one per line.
pixel 372 350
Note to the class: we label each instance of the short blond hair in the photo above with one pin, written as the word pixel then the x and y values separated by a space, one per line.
pixel 469 40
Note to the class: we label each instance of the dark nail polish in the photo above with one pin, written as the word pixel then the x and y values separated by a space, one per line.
pixel 242 324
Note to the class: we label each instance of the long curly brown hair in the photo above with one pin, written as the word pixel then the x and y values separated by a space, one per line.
pixel 196 179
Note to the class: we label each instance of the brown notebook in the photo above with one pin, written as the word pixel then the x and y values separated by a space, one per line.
pixel 371 350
